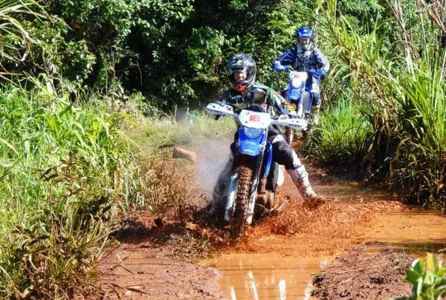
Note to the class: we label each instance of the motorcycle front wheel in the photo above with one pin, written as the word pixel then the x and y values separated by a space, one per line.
pixel 238 224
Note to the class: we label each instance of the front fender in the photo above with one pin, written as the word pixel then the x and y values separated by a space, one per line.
pixel 250 146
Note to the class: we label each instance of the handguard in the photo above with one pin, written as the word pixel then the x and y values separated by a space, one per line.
pixel 220 110
pixel 295 123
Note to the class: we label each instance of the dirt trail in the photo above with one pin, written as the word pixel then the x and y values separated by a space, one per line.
pixel 163 258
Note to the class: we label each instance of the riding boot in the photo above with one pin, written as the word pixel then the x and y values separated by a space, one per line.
pixel 315 112
pixel 300 180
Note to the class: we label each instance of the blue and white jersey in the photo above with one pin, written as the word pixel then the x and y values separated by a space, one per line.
pixel 302 60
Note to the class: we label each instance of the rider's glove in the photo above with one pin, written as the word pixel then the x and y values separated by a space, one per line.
pixel 277 66
pixel 313 72
pixel 323 74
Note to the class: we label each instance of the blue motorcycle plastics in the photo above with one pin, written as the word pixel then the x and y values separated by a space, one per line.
pixel 294 96
pixel 250 146
pixel 253 147
pixel 269 159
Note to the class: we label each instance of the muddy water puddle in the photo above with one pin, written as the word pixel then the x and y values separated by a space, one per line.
pixel 413 232
pixel 285 266
pixel 261 276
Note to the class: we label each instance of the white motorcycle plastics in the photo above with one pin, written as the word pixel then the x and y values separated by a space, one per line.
pixel 220 110
pixel 295 123
pixel 256 120
pixel 297 93
pixel 298 79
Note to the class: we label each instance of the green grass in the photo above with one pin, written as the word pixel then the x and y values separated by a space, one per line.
pixel 341 135
pixel 398 73
pixel 427 277
pixel 155 135
pixel 64 169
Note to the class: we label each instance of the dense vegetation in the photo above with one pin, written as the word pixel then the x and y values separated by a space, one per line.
pixel 70 70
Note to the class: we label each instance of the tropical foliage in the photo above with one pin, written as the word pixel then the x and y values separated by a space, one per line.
pixel 70 68
pixel 427 277
pixel 63 167
pixel 401 66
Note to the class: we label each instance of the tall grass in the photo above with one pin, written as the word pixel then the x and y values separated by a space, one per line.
pixel 342 135
pixel 154 135
pixel 420 161
pixel 405 83
pixel 16 40
pixel 64 168
pixel 167 182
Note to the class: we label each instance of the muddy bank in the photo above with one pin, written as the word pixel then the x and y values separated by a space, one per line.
pixel 360 274
pixel 156 259
pixel 166 256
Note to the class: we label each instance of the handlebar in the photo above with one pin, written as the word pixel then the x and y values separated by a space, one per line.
pixel 317 73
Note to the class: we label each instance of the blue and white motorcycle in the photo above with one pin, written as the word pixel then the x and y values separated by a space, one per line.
pixel 252 164
pixel 300 98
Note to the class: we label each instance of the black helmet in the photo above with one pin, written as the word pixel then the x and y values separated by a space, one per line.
pixel 244 63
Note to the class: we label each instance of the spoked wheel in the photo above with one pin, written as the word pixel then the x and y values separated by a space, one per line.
pixel 238 223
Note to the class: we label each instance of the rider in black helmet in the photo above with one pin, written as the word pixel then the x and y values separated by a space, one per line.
pixel 244 92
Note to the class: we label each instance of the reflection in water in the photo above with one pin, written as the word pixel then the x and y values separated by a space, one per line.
pixel 282 289
pixel 257 276
pixel 353 192
pixel 231 288
pixel 252 285
pixel 271 276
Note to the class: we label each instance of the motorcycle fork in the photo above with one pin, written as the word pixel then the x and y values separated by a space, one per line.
pixel 258 168
pixel 265 196
pixel 289 135
pixel 261 191
pixel 232 187
pixel 264 169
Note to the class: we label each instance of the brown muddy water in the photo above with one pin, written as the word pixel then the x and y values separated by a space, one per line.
pixel 261 276
pixel 282 267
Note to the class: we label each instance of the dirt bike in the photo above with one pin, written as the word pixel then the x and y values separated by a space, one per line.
pixel 251 182
pixel 300 100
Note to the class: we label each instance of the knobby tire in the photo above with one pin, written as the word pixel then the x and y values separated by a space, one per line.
pixel 238 223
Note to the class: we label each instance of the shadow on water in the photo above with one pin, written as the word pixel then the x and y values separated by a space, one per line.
pixel 353 192
pixel 421 248
pixel 414 232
